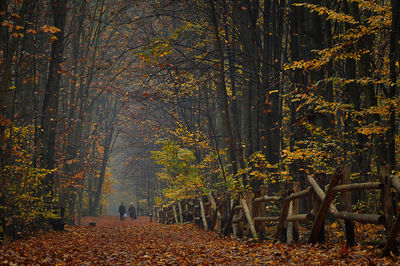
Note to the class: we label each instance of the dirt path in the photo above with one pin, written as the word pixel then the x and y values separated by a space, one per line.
pixel 138 242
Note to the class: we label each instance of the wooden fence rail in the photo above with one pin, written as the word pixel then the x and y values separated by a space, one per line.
pixel 247 213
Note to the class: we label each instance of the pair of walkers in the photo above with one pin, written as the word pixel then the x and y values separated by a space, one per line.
pixel 122 211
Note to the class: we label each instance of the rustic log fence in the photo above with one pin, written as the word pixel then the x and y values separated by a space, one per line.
pixel 246 215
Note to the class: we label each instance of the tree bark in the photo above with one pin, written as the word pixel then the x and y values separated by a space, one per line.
pixel 323 209
pixel 362 218
pixel 393 89
pixel 110 128
pixel 347 206
pixel 221 91
pixel 51 96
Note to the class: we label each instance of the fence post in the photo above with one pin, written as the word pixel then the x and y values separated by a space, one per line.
pixel 391 240
pixel 228 223
pixel 249 218
pixel 236 229
pixel 282 219
pixel 387 200
pixel 321 194
pixel 180 212
pixel 215 222
pixel 259 209
pixel 293 209
pixel 175 213
pixel 164 215
pixel 347 206
pixel 203 213
pixel 320 218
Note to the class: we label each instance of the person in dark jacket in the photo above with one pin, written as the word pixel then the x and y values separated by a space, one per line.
pixel 132 211
pixel 122 211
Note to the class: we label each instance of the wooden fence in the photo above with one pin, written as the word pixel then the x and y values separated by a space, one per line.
pixel 247 215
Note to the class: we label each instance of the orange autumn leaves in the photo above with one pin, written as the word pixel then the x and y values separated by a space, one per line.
pixel 134 242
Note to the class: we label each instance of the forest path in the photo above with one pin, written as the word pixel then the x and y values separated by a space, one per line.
pixel 139 242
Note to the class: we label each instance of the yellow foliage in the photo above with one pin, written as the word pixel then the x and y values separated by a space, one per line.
pixel 22 184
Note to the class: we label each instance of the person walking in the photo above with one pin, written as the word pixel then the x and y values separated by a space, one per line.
pixel 122 211
pixel 132 211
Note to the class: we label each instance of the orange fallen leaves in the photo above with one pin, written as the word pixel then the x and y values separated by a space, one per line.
pixel 134 242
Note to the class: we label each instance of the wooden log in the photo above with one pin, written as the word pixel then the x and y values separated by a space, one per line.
pixel 196 206
pixel 267 219
pixel 241 224
pixel 358 186
pixel 159 217
pixel 206 204
pixel 289 228
pixel 216 224
pixel 267 198
pixel 387 197
pixel 214 219
pixel 234 225
pixel 189 209
pixel 259 207
pixel 162 218
pixel 299 194
pixel 300 217
pixel 167 215
pixel 212 201
pixel 395 182
pixel 326 202
pixel 249 219
pixel 347 206
pixel 390 245
pixel 235 230
pixel 296 206
pixel 180 212
pixel 229 222
pixel 361 218
pixel 197 213
pixel 175 213
pixel 316 204
pixel 238 207
pixel 249 198
pixel 320 193
pixel 196 218
pixel 237 219
pixel 282 219
pixel 203 213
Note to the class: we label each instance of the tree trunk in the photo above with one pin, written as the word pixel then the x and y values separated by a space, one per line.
pixel 245 15
pixel 51 96
pixel 273 93
pixel 106 155
pixel 221 92
pixel 393 90
pixel 9 45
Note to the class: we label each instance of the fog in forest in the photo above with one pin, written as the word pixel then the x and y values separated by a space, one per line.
pixel 161 102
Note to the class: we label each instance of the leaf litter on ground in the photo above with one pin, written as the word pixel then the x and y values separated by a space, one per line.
pixel 139 242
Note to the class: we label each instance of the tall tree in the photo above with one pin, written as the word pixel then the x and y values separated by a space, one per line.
pixel 51 96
